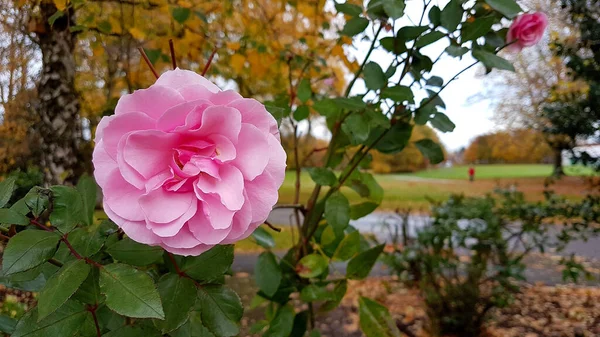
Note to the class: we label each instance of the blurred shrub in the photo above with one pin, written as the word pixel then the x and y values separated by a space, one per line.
pixel 469 260
pixel 25 181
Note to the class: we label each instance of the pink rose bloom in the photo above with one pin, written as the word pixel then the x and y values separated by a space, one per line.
pixel 527 30
pixel 186 166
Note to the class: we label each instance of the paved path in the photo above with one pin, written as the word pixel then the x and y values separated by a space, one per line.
pixel 539 268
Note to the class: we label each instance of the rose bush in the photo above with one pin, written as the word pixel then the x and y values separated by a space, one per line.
pixel 185 166
pixel 526 30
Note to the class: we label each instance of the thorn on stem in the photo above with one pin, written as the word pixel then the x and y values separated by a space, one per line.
pixel 173 59
pixel 145 57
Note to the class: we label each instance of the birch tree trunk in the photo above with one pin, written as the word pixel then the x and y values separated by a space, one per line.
pixel 60 128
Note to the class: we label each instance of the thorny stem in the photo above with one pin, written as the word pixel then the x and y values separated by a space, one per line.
pixel 92 310
pixel 173 59
pixel 180 272
pixel 39 225
pixel 175 265
pixel 272 227
pixel 145 57
pixel 210 59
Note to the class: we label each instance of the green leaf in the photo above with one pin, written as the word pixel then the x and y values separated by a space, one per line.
pixel 393 45
pixel 409 33
pixel 339 291
pixel 28 249
pixel 456 51
pixel 391 71
pixel 396 138
pixel 209 265
pixel 508 8
pixel 348 247
pixel 476 29
pixel 322 176
pixel 68 210
pixel 431 150
pixel 362 209
pixel 441 122
pixel 89 290
pixel 36 200
pixel 267 273
pixel 451 15
pixel 181 14
pixel 130 292
pixel 221 310
pixel 105 27
pixel 374 76
pixel 313 292
pixel 57 15
pixel 434 99
pixel 192 328
pixel 66 321
pixel 304 90
pixel 337 212
pixel 394 8
pixel 134 253
pixel 10 217
pixel 61 286
pixel 355 26
pixel 87 241
pixel 263 238
pixel 398 93
pixel 178 295
pixel 357 127
pixel 429 38
pixel 360 266
pixel 301 112
pixel 7 187
pixel 88 189
pixel 7 324
pixel 351 103
pixel 281 325
pixel 375 319
pixel 435 16
pixel 491 60
pixel 311 265
pixel 132 331
pixel 300 324
pixel 435 81
pixel 349 9
pixel 326 107
pixel 277 112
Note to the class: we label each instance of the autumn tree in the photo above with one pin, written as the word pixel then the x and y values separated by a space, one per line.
pixel 258 46
pixel 574 110
pixel 519 98
pixel 518 146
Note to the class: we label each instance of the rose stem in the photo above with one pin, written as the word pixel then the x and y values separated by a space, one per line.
pixel 145 57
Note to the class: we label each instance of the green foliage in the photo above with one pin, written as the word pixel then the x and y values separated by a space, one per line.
pixel 178 296
pixel 130 292
pixel 311 265
pixel 221 310
pixel 322 176
pixel 61 286
pixel 463 262
pixel 508 8
pixel 28 249
pixel 375 319
pixel 267 273
pixel 134 253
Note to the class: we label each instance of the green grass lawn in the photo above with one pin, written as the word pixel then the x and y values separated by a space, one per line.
pixel 499 171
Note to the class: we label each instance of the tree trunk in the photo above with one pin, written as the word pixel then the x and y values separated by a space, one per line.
pixel 60 126
pixel 558 163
